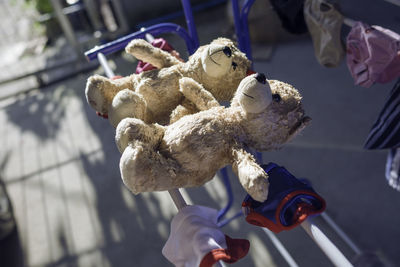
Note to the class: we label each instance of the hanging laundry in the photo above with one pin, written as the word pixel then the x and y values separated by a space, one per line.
pixel 324 23
pixel 196 240
pixel 392 171
pixel 290 201
pixel 373 54
pixel 385 132
pixel 291 14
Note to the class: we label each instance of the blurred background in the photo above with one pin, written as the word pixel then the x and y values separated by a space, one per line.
pixel 62 200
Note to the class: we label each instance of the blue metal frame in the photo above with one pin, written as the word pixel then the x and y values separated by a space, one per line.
pixel 241 26
pixel 119 44
pixel 190 38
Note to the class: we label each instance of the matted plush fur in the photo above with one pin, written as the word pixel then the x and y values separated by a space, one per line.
pixel 263 115
pixel 156 96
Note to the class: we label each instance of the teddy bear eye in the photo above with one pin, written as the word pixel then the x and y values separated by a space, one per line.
pixel 234 65
pixel 276 98
pixel 227 51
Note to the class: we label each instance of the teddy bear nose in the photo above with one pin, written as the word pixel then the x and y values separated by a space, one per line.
pixel 260 77
pixel 227 51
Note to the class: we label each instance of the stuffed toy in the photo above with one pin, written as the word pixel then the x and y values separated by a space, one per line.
pixel 155 95
pixel 263 115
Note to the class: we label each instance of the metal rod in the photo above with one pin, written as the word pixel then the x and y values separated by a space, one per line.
pixel 341 233
pixel 330 250
pixel 282 250
pixel 187 9
pixel 66 26
pixel 103 61
pixel 178 199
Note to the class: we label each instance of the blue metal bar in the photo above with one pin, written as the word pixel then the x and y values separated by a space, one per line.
pixel 240 16
pixel 245 27
pixel 226 221
pixel 120 43
pixel 238 25
pixel 190 22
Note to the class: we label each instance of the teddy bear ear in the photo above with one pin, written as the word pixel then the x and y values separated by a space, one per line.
pixel 254 93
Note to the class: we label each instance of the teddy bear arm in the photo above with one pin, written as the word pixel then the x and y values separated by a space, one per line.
pixel 195 92
pixel 144 51
pixel 251 176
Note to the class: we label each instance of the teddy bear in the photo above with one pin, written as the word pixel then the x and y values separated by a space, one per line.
pixel 155 95
pixel 263 115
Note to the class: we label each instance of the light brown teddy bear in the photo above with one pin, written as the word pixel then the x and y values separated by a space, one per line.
pixel 263 115
pixel 156 95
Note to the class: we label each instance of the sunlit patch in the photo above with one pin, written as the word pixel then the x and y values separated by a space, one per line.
pixel 259 252
pixel 116 231
pixel 128 198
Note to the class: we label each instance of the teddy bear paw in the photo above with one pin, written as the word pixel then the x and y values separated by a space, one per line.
pixel 93 92
pixel 127 104
pixel 258 188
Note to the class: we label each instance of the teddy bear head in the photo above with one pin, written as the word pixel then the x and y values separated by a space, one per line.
pixel 272 112
pixel 220 60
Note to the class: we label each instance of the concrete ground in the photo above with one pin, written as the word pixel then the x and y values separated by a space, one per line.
pixel 60 166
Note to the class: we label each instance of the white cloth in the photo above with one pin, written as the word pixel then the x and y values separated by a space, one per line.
pixel 194 233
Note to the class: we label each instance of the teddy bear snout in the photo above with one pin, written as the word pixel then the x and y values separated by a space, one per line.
pixel 260 77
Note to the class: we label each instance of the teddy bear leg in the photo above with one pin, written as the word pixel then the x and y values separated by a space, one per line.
pixel 251 176
pixel 100 91
pixel 196 93
pixel 133 129
pixel 126 104
pixel 144 169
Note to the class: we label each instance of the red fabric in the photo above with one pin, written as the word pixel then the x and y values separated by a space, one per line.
pixel 250 72
pixel 236 249
pixel 303 211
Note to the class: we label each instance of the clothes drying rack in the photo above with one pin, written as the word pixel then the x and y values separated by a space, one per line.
pixel 192 43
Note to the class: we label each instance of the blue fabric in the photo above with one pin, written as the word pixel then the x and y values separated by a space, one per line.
pixel 385 133
pixel 283 183
pixel 392 172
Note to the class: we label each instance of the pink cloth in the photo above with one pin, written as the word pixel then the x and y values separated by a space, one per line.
pixel 373 54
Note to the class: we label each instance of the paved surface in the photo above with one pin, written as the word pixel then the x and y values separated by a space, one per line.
pixel 60 165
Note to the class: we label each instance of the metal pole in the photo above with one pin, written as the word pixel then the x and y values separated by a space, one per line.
pixel 178 199
pixel 66 26
pixel 330 250
pixel 103 62
pixel 341 233
pixel 279 246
